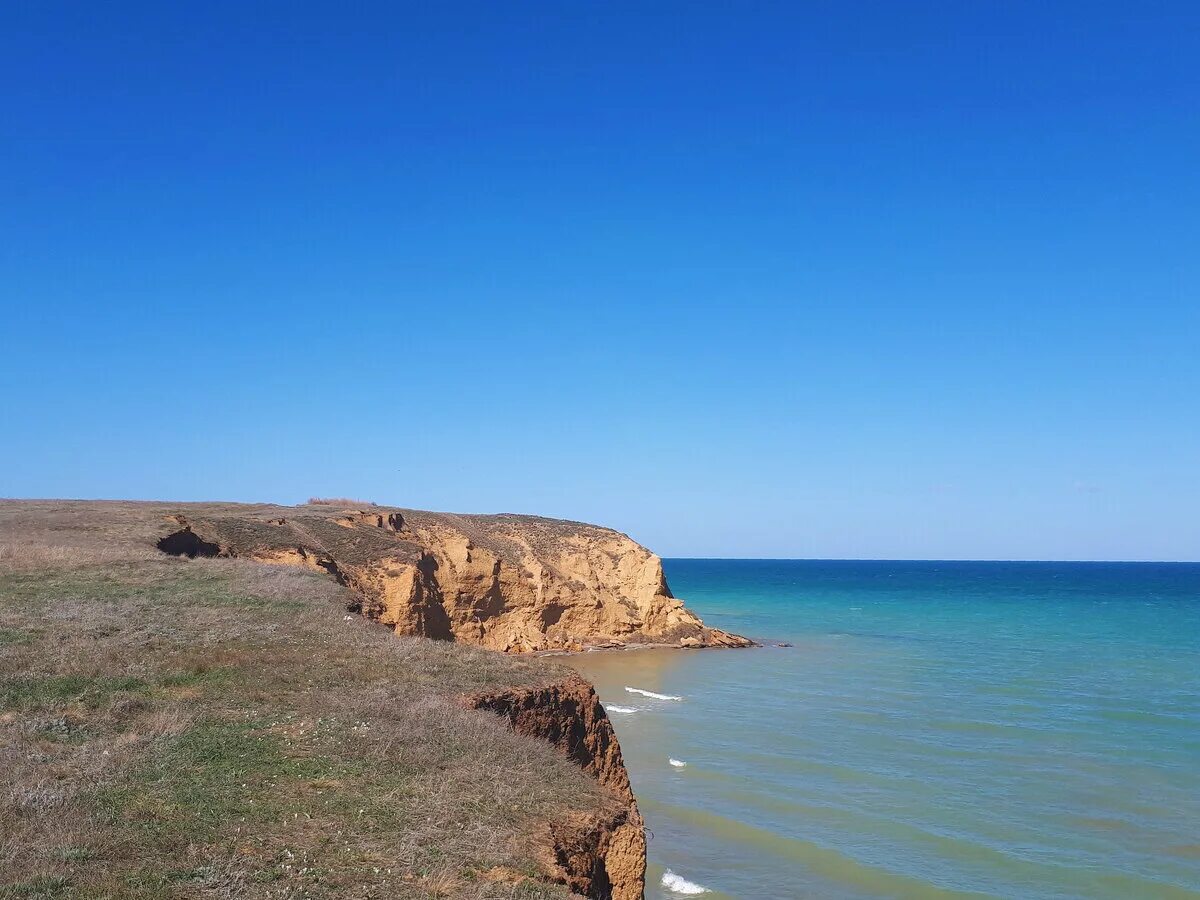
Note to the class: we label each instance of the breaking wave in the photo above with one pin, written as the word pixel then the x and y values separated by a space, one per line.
pixel 673 882
pixel 612 707
pixel 677 763
pixel 634 690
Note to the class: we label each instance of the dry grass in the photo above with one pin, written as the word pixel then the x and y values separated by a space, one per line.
pixel 219 728
pixel 28 556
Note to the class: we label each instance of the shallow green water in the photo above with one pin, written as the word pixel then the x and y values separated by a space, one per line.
pixel 938 730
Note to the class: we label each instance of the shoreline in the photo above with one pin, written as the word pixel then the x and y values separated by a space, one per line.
pixel 752 645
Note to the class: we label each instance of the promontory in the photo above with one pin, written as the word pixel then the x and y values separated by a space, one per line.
pixel 332 700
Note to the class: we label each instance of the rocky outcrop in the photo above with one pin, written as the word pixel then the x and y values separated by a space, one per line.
pixel 507 582
pixel 567 714
pixel 601 855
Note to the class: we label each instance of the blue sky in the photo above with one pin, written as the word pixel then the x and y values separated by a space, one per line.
pixel 810 280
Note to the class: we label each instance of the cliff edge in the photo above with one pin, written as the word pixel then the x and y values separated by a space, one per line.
pixel 598 854
pixel 222 727
pixel 506 582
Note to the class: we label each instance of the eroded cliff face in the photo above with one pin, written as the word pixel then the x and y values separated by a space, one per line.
pixel 602 855
pixel 510 583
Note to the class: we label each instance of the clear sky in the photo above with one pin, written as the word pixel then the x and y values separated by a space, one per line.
pixel 740 279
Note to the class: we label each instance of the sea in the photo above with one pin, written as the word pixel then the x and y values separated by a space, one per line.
pixel 932 730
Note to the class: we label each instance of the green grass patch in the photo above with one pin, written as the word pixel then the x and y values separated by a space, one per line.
pixel 214 774
pixel 42 588
pixel 198 678
pixel 40 887
pixel 13 636
pixel 41 692
pixel 25 693
pixel 62 733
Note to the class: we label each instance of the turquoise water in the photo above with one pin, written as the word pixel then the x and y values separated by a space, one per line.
pixel 1025 730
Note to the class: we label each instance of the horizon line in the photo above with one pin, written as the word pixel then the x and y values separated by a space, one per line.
pixel 961 559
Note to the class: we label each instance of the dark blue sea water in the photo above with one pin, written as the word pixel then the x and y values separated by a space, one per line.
pixel 939 729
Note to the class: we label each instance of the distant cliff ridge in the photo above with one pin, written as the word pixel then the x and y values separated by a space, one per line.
pixel 506 582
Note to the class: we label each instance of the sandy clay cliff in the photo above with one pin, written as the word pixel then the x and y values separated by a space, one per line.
pixel 602 855
pixel 506 582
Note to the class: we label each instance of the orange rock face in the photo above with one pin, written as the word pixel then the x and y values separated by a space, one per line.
pixel 600 855
pixel 511 583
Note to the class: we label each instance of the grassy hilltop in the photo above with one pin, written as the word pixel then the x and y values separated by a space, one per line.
pixel 223 728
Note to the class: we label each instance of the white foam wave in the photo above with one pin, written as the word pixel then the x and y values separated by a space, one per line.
pixel 673 882
pixel 677 763
pixel 612 707
pixel 634 690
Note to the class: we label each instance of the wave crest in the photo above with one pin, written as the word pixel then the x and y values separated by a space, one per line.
pixel 634 690
pixel 679 885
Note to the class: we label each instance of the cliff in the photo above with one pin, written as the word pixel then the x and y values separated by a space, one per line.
pixel 222 726
pixel 597 854
pixel 505 582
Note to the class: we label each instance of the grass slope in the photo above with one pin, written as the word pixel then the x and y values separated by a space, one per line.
pixel 219 728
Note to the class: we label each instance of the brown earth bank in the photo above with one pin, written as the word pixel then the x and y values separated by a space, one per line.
pixel 206 722
pixel 598 856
